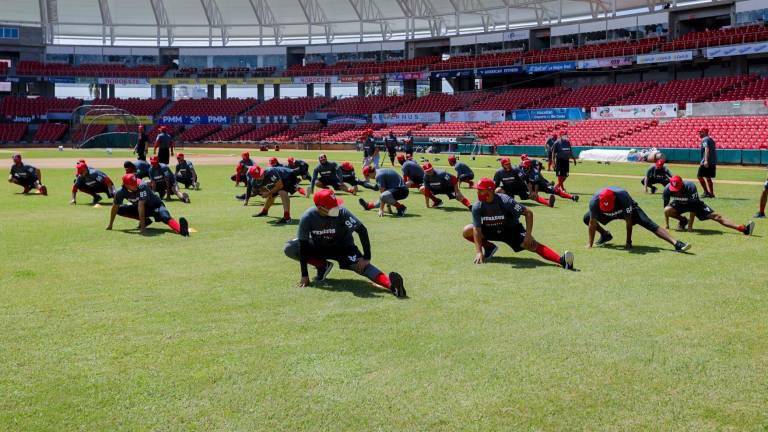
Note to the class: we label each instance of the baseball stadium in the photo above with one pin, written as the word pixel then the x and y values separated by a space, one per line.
pixel 389 215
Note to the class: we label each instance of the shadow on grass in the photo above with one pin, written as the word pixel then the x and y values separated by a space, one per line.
pixel 356 287
pixel 276 221
pixel 453 209
pixel 520 262
pixel 149 232
pixel 637 249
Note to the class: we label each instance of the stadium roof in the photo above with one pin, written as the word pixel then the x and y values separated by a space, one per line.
pixel 255 22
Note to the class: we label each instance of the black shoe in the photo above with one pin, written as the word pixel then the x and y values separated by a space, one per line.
pixel 183 227
pixel 401 210
pixel 322 273
pixel 708 195
pixel 604 238
pixel 682 224
pixel 363 203
pixel 396 285
pixel 566 261
pixel 488 253
pixel 240 197
pixel 575 198
pixel 147 222
pixel 759 215
pixel 185 198
pixel 749 228
pixel 682 247
pixel 653 189
pixel 438 203
pixel 96 199
pixel 283 221
pixel 551 200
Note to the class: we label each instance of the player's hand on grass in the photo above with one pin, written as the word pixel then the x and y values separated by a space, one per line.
pixel 479 258
pixel 381 213
pixel 303 282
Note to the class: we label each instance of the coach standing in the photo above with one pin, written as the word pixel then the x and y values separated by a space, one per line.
pixel 165 143
pixel 141 144
pixel 562 154
pixel 708 163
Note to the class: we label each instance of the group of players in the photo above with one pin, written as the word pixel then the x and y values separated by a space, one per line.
pixel 325 230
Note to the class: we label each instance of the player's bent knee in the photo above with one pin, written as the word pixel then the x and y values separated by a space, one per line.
pixel 291 249
pixel 586 218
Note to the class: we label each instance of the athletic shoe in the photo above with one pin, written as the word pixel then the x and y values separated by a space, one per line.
pixel 322 273
pixel 653 189
pixel 185 197
pixel 759 215
pixel 96 199
pixel 183 227
pixel 44 190
pixel 401 211
pixel 681 246
pixel 363 203
pixel 551 200
pixel 396 285
pixel 283 221
pixel 566 261
pixel 604 238
pixel 26 189
pixel 749 228
pixel 259 215
pixel 682 224
pixel 438 203
pixel 147 222
pixel 708 195
pixel 197 185
pixel 576 198
pixel 488 253
pixel 240 197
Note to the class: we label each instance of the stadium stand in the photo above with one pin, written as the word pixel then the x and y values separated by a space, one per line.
pixel 231 133
pixel 728 133
pixel 305 131
pixel 754 90
pixel 109 70
pixel 433 102
pixel 517 98
pixel 290 107
pixel 595 95
pixel 211 107
pixel 690 90
pixel 83 132
pixel 198 133
pixel 50 132
pixel 352 134
pixel 365 105
pixel 599 132
pixel 263 132
pixel 519 132
pixel 12 132
pixel 480 61
pixel 586 52
pixel 723 36
pixel 20 106
pixel 135 106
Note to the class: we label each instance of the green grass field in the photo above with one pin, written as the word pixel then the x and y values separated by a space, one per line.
pixel 116 331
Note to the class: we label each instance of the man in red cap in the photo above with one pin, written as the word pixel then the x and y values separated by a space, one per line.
pixel 370 149
pixel 325 233
pixel 413 175
pixel 512 181
pixel 681 197
pixel 614 203
pixel 163 181
pixel 252 184
pixel 273 162
pixel 708 163
pixel 390 143
pixel 350 181
pixel 537 183
pixel 326 174
pixel 273 182
pixel 165 143
pixel 656 174
pixel 496 217
pixel 92 182
pixel 408 145
pixel 26 176
pixel 548 146
pixel 186 173
pixel 438 182
pixel 143 204
pixel 241 169
pixel 141 144
pixel 562 153
pixel 300 167
pixel 391 186
pixel 463 172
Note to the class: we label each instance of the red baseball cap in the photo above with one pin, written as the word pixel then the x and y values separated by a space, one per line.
pixel 81 168
pixel 347 166
pixel 131 180
pixel 486 184
pixel 179 155
pixel 659 163
pixel 526 163
pixel 367 170
pixel 704 131
pixel 273 161
pixel 427 166
pixel 326 198
pixel 505 161
pixel 451 158
pixel 524 156
pixel 154 161
pixel 16 157
pixel 676 183
pixel 554 135
pixel 255 171
pixel 245 155
pixel 401 158
pixel 607 200
pixel 291 161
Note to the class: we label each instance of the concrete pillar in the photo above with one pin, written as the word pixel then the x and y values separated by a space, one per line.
pixel 310 90
pixel 276 88
pixel 211 91
pixel 260 92
pixel 409 87
pixel 158 90
pixel 169 91
pixel 103 92
pixel 328 92
pixel 383 84
pixel 435 85
pixel 224 91
pixel 361 89
pixel 111 90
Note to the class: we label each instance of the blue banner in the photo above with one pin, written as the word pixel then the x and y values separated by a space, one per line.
pixel 61 80
pixel 453 73
pixel 547 114
pixel 194 120
pixel 347 119
pixel 506 70
pixel 550 67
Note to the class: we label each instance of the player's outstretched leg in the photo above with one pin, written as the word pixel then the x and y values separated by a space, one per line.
pixel 745 229
pixel 565 260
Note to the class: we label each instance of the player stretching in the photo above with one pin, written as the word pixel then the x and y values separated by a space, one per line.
pixel 272 182
pixel 26 176
pixel 413 175
pixel 186 173
pixel 656 174
pixel 163 181
pixel 300 167
pixel 325 233
pixel 326 174
pixel 537 183
pixel 92 182
pixel 463 172
pixel 350 181
pixel 496 217
pixel 513 181
pixel 614 203
pixel 391 186
pixel 241 169
pixel 682 197
pixel 438 182
pixel 143 204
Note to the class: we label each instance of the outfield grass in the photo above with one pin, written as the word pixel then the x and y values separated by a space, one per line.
pixel 115 331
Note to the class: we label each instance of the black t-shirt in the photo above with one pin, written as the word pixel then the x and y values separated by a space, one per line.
pixel 499 215
pixel 163 141
pixel 623 207
pixel 160 173
pixel 709 143
pixel 391 143
pixel 348 177
pixel 369 148
pixel 141 147
pixel 511 181
pixel 562 149
pixel 24 173
pixel 274 174
pixel 142 193
pixel 327 173
pixel 439 181
pixel 92 177
pixel 300 167
pixel 687 196
pixel 408 144
pixel 184 168
pixel 549 144
pixel 413 171
pixel 326 231
pixel 658 175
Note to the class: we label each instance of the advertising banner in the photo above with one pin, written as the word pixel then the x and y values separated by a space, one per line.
pixel 282 119
pixel 107 119
pixel 123 81
pixel 220 81
pixel 359 78
pixel 401 76
pixel 605 62
pixel 635 111
pixel 474 116
pixel 347 119
pixel 396 118
pixel 674 56
pixel 736 108
pixel 26 119
pixel 61 80
pixel 516 35
pixel 550 67
pixel 453 73
pixel 315 79
pixel 547 114
pixel 194 120
pixel 268 80
pixel 737 50
pixel 506 70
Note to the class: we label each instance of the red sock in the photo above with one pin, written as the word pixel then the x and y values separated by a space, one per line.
pixel 466 202
pixel 350 190
pixel 542 200
pixel 711 186
pixel 382 280
pixel 302 191
pixel 369 205
pixel 398 205
pixel 286 215
pixel 741 228
pixel 317 262
pixel 548 254
pixel 563 194
pixel 174 224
